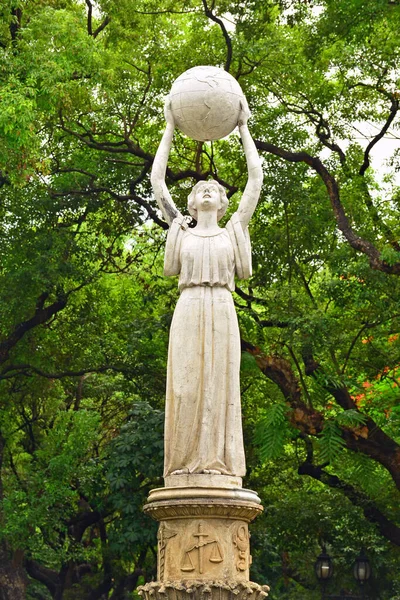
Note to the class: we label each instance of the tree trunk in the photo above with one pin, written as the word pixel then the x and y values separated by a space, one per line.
pixel 13 579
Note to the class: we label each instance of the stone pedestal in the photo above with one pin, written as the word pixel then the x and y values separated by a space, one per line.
pixel 203 539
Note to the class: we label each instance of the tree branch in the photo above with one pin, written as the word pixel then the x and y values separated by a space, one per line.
pixel 358 243
pixel 78 524
pixel 41 315
pixel 357 497
pixel 89 17
pixel 279 370
pixel 392 113
pixel 250 298
pixel 46 576
pixel 324 134
pixel 376 218
pixel 119 197
pixel 353 343
pixel 15 24
pixel 209 13
pixel 262 322
pixel 102 26
pixel 369 439
pixel 27 370
pixel 102 590
pixel 126 146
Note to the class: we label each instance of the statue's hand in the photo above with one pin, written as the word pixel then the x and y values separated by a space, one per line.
pixel 168 113
pixel 244 114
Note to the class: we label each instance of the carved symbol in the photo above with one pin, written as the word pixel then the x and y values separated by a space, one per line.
pixel 187 564
pixel 241 541
pixel 215 556
pixel 164 534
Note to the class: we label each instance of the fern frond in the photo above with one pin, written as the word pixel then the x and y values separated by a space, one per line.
pixel 350 418
pixel 331 441
pixel 272 431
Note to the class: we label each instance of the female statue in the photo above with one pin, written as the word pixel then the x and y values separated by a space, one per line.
pixel 203 428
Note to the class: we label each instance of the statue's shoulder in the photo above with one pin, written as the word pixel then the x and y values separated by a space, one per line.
pixel 177 229
pixel 181 222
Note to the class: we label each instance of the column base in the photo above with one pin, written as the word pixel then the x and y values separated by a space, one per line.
pixel 203 480
pixel 203 536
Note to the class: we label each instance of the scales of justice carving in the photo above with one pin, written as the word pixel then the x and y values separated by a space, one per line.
pixel 215 556
pixel 204 453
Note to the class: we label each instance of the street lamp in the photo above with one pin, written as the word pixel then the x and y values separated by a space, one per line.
pixel 362 570
pixel 323 569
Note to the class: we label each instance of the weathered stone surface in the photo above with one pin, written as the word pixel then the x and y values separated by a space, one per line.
pixel 214 493
pixel 203 533
pixel 200 590
pixel 205 102
pixel 203 480
pixel 204 548
pixel 203 426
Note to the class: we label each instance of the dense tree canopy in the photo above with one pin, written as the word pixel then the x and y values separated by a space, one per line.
pixel 85 310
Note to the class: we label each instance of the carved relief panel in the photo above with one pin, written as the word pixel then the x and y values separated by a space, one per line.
pixel 241 543
pixel 206 549
pixel 165 533
pixel 203 549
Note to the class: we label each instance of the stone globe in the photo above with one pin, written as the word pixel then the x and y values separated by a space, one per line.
pixel 205 103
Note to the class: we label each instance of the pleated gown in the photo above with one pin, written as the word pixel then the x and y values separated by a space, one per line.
pixel 203 425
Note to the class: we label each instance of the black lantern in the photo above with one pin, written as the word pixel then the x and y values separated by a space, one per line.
pixel 362 568
pixel 323 566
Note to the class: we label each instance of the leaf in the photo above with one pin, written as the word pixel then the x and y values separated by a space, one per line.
pixel 272 431
pixel 331 441
pixel 351 417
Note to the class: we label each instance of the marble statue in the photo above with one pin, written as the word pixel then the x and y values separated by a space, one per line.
pixel 203 429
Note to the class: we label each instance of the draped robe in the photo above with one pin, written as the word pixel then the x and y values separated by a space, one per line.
pixel 203 426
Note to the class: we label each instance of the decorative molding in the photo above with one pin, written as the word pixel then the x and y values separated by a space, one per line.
pixel 200 590
pixel 179 509
pixel 212 494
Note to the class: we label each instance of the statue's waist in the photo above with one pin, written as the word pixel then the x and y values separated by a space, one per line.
pixel 204 289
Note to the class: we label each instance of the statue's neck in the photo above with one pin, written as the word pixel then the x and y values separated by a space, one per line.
pixel 207 221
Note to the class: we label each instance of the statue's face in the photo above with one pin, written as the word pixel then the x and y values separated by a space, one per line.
pixel 207 197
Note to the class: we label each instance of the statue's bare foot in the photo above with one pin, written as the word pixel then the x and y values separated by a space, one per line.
pixel 211 472
pixel 180 472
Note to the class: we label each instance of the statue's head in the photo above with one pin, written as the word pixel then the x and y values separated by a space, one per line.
pixel 204 186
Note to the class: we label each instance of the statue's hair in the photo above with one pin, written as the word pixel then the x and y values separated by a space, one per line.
pixel 222 195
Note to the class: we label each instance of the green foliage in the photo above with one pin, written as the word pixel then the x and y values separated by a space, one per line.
pixel 48 497
pixel 271 431
pixel 82 389
pixel 331 441
pixel 134 461
pixel 351 418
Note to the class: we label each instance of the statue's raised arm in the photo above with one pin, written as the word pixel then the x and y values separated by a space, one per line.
pixel 163 197
pixel 252 190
